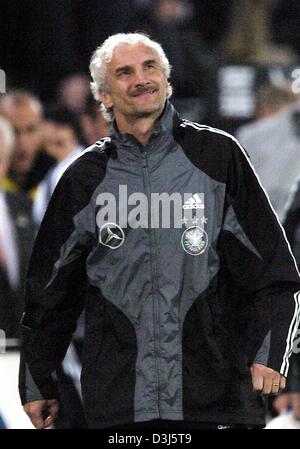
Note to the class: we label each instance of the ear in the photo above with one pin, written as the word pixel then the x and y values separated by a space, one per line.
pixel 106 99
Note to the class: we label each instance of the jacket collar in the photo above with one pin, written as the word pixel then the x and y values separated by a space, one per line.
pixel 164 126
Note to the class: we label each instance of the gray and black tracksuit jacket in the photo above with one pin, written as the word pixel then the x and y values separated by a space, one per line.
pixel 174 316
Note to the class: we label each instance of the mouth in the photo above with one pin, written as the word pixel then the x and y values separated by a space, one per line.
pixel 145 93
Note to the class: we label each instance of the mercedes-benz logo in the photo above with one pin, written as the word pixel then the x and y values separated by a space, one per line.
pixel 111 235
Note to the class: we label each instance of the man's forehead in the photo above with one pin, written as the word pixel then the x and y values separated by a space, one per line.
pixel 131 54
pixel 23 113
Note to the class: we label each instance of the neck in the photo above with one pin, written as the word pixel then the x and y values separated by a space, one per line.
pixel 64 154
pixel 141 128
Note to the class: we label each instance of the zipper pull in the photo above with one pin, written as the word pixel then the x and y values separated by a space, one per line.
pixel 144 159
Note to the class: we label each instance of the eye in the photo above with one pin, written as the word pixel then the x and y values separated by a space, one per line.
pixel 150 65
pixel 31 128
pixel 124 71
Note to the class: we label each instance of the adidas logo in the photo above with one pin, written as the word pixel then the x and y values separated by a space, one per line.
pixel 194 202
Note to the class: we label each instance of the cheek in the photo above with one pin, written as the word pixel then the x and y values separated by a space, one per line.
pixel 2 170
pixel 121 96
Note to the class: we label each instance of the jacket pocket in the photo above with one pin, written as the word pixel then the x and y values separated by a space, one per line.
pixel 202 338
pixel 93 329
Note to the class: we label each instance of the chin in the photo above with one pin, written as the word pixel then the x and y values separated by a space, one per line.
pixel 147 112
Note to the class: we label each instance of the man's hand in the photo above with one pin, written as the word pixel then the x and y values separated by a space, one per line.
pixel 286 401
pixel 266 380
pixel 42 413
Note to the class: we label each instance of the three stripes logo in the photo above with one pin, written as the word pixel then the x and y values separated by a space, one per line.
pixel 194 202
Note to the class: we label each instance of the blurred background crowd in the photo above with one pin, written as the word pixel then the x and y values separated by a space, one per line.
pixel 236 66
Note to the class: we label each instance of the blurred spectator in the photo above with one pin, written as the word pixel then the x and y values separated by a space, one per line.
pixel 272 99
pixel 29 163
pixel 16 239
pixel 274 147
pixel 213 19
pixel 93 123
pixel 62 138
pixel 170 22
pixel 286 23
pixel 248 39
pixel 73 92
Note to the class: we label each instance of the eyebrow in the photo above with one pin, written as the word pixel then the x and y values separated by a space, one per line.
pixel 149 61
pixel 120 69
pixel 126 67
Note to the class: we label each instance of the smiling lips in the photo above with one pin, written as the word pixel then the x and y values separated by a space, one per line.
pixel 144 91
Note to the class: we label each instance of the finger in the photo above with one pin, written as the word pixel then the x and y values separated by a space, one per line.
pixel 53 409
pixel 48 421
pixel 50 413
pixel 282 382
pixel 275 385
pixel 267 387
pixel 257 382
pixel 37 421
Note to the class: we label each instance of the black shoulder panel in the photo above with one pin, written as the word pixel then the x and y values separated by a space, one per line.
pixel 207 148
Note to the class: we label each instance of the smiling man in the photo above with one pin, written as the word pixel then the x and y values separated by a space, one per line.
pixel 185 326
pixel 135 91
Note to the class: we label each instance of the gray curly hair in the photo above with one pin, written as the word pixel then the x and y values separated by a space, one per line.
pixel 104 54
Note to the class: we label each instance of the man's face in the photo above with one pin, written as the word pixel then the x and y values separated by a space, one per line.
pixel 59 140
pixel 94 128
pixel 137 85
pixel 26 121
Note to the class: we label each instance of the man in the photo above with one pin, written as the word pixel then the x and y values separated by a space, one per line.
pixel 190 298
pixel 73 92
pixel 94 125
pixel 62 140
pixel 272 143
pixel 29 162
pixel 16 239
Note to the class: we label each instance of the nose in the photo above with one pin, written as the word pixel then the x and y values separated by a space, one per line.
pixel 140 77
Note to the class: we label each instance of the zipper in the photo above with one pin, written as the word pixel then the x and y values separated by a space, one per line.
pixel 156 329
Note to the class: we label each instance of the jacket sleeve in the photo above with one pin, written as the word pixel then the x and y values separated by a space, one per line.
pixel 55 289
pixel 292 221
pixel 293 380
pixel 254 248
pixel 292 227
